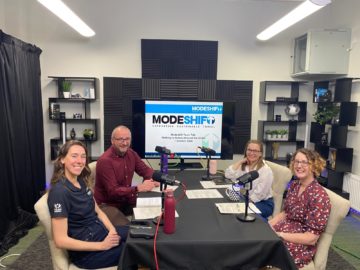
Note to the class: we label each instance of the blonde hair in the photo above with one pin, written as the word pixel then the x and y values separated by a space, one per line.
pixel 59 170
pixel 260 161
pixel 316 162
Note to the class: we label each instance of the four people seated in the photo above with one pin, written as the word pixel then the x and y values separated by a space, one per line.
pixel 80 226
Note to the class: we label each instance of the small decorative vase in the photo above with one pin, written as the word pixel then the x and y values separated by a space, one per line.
pixel 66 94
pixel 275 150
pixel 88 134
pixel 72 133
pixel 292 110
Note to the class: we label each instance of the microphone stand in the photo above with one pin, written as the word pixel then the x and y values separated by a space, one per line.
pixel 164 169
pixel 163 186
pixel 246 217
pixel 207 176
pixel 164 163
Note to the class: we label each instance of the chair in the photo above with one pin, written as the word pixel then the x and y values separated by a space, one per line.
pixel 92 166
pixel 114 214
pixel 339 209
pixel 59 257
pixel 282 176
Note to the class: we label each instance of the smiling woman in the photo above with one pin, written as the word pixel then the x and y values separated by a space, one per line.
pixel 260 193
pixel 306 208
pixel 78 224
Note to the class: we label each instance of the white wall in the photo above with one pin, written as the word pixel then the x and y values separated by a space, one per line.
pixel 2 13
pixel 120 24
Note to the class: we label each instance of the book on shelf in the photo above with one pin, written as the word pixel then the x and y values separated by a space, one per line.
pixel 55 111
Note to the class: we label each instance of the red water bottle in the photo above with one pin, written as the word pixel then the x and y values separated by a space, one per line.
pixel 169 212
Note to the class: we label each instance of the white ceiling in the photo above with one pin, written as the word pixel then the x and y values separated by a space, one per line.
pixel 250 15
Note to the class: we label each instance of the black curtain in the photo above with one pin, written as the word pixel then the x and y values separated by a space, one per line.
pixel 22 160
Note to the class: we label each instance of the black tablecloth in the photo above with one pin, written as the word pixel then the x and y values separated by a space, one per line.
pixel 206 239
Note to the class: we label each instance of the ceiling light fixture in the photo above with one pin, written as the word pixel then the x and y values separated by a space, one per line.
pixel 299 13
pixel 67 15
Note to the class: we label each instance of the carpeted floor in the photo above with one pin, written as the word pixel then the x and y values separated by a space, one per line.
pixel 37 257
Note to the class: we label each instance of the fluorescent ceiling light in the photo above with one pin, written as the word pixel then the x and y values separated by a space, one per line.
pixel 67 15
pixel 299 13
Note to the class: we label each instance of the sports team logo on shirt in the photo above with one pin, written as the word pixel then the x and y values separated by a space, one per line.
pixel 57 208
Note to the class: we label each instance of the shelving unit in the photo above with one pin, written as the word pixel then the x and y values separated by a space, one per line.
pixel 339 157
pixel 74 112
pixel 276 95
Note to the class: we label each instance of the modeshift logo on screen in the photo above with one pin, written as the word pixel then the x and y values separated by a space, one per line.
pixel 183 120
pixel 206 108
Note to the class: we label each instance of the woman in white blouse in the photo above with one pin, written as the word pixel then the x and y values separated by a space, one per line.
pixel 261 193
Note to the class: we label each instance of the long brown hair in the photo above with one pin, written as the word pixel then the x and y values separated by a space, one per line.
pixel 59 168
pixel 260 161
pixel 316 162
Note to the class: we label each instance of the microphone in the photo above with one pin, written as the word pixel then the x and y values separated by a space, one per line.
pixel 208 151
pixel 248 177
pixel 162 150
pixel 165 179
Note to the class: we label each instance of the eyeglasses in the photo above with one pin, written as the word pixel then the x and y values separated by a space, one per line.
pixel 253 151
pixel 302 163
pixel 122 139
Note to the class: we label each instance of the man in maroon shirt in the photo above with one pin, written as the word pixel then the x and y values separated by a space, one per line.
pixel 115 170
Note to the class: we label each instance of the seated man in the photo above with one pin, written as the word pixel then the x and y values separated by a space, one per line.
pixel 114 173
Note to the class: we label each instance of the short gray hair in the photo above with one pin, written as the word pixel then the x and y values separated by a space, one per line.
pixel 119 127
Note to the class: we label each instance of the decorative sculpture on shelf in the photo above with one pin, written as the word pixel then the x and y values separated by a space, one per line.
pixel 88 134
pixel 72 134
pixel 292 110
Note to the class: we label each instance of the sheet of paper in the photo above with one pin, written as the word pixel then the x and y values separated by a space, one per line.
pixel 157 189
pixel 203 194
pixel 148 202
pixel 148 212
pixel 236 208
pixel 211 184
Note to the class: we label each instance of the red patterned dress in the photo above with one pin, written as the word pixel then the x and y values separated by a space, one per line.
pixel 308 212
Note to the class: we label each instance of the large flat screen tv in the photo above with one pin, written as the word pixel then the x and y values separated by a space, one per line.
pixel 183 127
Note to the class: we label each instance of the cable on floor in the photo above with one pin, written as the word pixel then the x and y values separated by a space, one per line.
pixel 5 257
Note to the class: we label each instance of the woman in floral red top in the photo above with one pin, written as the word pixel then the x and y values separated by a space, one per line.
pixel 306 209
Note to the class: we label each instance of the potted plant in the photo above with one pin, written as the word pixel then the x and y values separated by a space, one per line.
pixel 274 134
pixel 268 135
pixel 66 87
pixel 282 133
pixel 326 113
pixel 88 133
